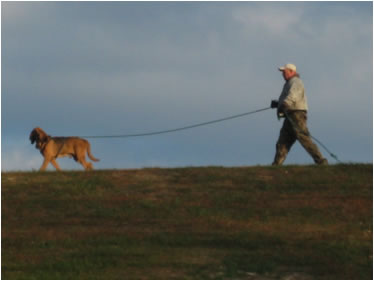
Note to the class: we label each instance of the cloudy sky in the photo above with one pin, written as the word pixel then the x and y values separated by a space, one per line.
pixel 109 68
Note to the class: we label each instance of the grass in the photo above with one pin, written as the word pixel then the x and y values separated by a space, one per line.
pixel 292 222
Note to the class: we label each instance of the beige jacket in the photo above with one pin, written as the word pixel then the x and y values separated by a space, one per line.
pixel 293 95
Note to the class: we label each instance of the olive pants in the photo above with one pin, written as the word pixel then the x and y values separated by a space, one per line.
pixel 292 130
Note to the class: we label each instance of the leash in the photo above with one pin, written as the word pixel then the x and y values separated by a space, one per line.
pixel 209 123
pixel 178 129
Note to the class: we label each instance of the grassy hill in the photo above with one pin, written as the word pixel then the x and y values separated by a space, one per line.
pixel 291 222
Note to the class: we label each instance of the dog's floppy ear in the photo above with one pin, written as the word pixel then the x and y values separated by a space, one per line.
pixel 38 135
pixel 42 135
pixel 34 136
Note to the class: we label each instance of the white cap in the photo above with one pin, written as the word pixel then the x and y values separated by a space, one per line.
pixel 288 66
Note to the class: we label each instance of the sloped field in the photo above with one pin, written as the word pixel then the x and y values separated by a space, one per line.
pixel 292 222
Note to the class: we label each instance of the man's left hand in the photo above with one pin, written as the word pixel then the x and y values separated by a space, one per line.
pixel 282 110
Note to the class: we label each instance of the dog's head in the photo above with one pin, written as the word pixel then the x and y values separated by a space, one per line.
pixel 38 136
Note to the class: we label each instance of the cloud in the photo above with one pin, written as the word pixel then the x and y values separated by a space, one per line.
pixel 17 159
pixel 16 15
pixel 274 20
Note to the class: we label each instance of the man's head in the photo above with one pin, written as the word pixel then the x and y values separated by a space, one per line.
pixel 288 71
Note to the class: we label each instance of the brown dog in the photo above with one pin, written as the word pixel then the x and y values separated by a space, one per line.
pixel 53 147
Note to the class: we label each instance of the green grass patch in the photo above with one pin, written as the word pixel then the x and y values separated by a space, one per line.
pixel 291 222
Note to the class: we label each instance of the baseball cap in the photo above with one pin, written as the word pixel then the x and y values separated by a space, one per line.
pixel 288 66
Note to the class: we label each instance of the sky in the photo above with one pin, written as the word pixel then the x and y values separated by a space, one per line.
pixel 114 68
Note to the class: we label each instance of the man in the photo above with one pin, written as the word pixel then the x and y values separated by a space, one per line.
pixel 292 105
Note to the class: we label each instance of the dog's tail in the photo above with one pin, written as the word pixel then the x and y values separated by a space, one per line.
pixel 89 153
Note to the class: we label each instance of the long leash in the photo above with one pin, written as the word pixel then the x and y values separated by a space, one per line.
pixel 209 123
pixel 178 129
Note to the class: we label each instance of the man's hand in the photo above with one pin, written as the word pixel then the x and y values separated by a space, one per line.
pixel 280 114
pixel 282 110
pixel 274 104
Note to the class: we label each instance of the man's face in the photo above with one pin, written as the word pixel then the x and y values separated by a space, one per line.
pixel 288 74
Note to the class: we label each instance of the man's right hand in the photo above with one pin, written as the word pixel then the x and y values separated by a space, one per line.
pixel 274 104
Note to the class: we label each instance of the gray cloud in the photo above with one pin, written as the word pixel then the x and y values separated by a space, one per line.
pixel 88 68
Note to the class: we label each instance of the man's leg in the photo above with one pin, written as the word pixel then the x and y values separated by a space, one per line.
pixel 299 120
pixel 285 141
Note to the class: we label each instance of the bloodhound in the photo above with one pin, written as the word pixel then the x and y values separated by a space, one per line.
pixel 53 147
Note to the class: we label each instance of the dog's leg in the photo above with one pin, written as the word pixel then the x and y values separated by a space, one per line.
pixel 81 159
pixel 86 165
pixel 45 164
pixel 55 164
pixel 89 166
